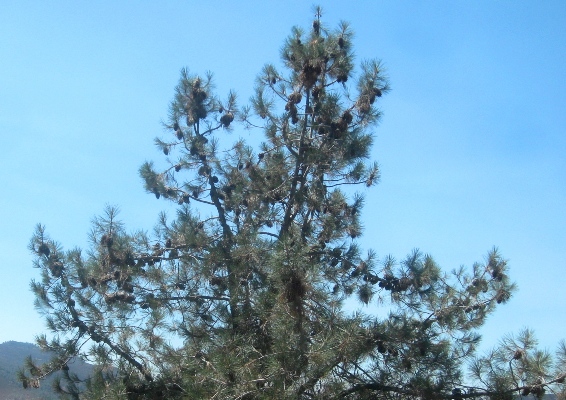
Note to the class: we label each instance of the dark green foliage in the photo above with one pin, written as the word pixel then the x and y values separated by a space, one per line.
pixel 241 296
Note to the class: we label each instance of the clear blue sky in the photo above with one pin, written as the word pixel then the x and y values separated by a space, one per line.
pixel 472 144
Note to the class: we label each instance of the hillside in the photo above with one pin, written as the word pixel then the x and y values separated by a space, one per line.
pixel 12 356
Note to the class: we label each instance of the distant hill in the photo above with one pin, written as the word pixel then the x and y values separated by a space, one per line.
pixel 12 356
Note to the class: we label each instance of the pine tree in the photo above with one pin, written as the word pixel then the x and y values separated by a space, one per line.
pixel 241 295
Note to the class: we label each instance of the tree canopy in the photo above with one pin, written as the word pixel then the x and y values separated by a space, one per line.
pixel 241 295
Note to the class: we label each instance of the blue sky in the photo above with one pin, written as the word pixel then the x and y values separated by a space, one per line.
pixel 471 145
